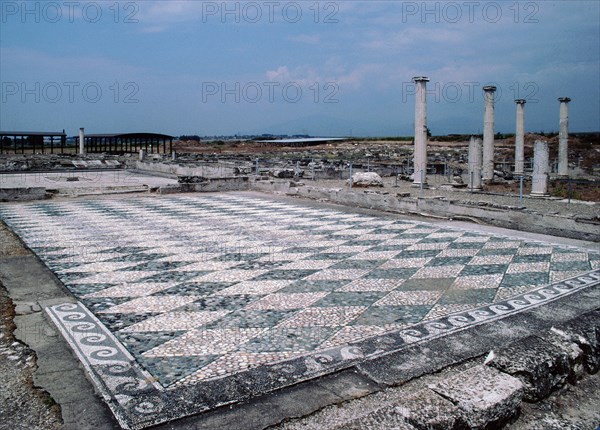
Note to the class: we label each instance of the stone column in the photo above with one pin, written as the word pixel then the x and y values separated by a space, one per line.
pixel 420 150
pixel 541 167
pixel 475 158
pixel 488 134
pixel 81 142
pixel 520 138
pixel 563 138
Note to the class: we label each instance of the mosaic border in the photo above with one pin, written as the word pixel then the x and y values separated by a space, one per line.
pixel 138 402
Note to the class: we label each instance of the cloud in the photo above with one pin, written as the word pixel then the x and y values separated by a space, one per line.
pixel 155 29
pixel 160 16
pixel 304 76
pixel 169 11
pixel 282 73
pixel 413 38
pixel 355 78
pixel 311 39
pixel 24 61
pixel 332 72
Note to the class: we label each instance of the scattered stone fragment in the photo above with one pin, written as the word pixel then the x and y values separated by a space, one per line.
pixel 366 179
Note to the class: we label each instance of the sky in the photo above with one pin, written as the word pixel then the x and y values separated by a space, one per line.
pixel 335 68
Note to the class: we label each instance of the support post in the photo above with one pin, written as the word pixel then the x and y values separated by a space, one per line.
pixel 350 178
pixel 521 192
pixel 539 179
pixel 563 138
pixel 420 148
pixel 488 133
pixel 81 142
pixel 475 160
pixel 520 138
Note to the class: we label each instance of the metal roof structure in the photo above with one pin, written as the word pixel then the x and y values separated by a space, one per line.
pixel 131 135
pixel 128 142
pixel 32 133
pixel 31 141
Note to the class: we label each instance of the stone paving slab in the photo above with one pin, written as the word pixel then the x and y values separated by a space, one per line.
pixel 484 395
pixel 193 302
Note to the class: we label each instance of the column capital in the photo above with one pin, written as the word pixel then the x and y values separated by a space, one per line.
pixel 520 101
pixel 420 79
pixel 489 88
pixel 564 99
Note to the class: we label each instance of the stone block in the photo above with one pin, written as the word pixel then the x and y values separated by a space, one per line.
pixel 541 366
pixel 575 355
pixel 486 398
pixel 170 189
pixel 425 409
pixel 382 419
pixel 585 332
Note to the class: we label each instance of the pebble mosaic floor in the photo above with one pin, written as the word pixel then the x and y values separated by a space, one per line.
pixel 179 291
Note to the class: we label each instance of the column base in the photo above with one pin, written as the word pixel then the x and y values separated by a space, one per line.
pixel 418 185
pixel 539 195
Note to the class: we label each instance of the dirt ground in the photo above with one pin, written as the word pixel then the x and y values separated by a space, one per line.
pixel 589 192
pixel 22 405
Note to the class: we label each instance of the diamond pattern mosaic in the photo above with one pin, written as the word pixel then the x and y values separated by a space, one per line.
pixel 194 289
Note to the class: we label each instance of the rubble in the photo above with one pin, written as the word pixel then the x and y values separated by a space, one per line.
pixel 366 179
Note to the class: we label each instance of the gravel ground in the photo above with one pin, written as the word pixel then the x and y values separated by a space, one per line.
pixel 541 205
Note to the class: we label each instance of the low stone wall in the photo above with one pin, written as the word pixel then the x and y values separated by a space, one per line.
pixel 234 183
pixel 22 194
pixel 508 217
pixel 174 170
